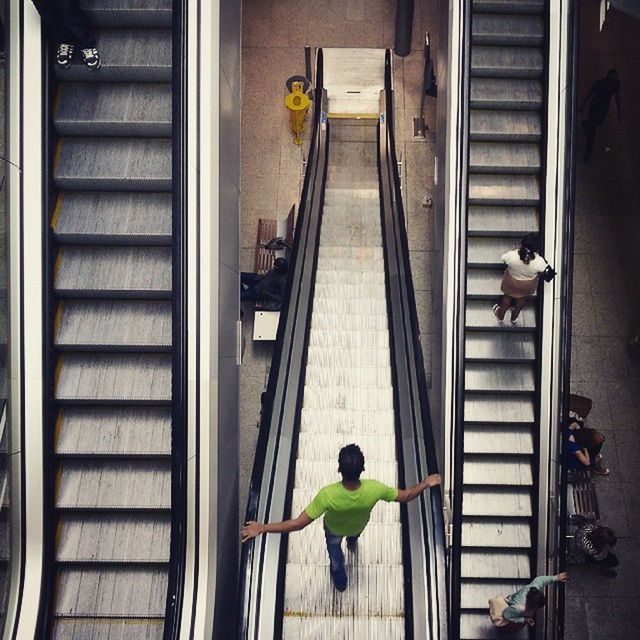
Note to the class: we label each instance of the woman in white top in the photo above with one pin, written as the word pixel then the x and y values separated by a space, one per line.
pixel 520 279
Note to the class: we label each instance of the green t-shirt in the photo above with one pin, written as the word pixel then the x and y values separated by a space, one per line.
pixel 348 511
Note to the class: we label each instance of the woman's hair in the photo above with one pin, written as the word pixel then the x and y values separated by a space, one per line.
pixel 351 462
pixel 535 599
pixel 588 438
pixel 601 537
pixel 529 246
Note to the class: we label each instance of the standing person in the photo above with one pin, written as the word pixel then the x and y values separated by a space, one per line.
pixel 520 279
pixel 270 287
pixel 66 26
pixel 600 95
pixel 518 610
pixel 347 505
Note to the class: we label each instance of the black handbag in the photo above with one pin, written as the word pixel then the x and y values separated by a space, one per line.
pixel 549 273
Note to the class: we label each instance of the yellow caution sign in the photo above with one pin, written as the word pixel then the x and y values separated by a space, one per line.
pixel 298 104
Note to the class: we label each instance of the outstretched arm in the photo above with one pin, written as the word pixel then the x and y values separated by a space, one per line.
pixel 252 529
pixel 406 495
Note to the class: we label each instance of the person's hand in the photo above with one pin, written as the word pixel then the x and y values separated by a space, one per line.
pixel 562 577
pixel 530 621
pixel 250 530
pixel 433 480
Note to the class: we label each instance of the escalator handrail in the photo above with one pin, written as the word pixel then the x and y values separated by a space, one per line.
pixel 410 360
pixel 313 181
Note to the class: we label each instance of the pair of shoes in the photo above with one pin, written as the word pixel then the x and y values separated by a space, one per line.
pixel 496 308
pixel 90 56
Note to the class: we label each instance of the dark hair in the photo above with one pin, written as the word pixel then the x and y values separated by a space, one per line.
pixel 535 599
pixel 586 437
pixel 529 246
pixel 351 462
pixel 601 537
pixel 280 265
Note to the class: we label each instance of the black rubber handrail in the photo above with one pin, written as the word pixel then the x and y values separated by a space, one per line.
pixel 293 316
pixel 417 449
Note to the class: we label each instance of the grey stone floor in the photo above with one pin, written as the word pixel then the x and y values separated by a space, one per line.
pixel 606 307
pixel 274 35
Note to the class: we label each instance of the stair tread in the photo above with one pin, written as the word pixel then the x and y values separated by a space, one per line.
pixel 489 439
pixel 502 190
pixel 479 312
pixel 496 501
pixel 139 13
pixel 507 62
pixel 477 532
pixel 498 345
pixel 507 29
pixel 499 563
pixel 496 470
pixel 488 251
pixel 497 408
pixel 499 376
pixel 495 220
pixel 504 157
pixel 508 6
pixel 506 93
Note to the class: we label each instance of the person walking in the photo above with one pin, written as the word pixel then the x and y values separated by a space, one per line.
pixel 269 288
pixel 600 95
pixel 66 26
pixel 347 506
pixel 520 279
pixel 515 612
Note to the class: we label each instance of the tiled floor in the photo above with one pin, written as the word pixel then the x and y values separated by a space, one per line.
pixel 274 35
pixel 606 307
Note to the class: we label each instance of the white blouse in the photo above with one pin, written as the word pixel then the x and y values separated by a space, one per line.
pixel 521 271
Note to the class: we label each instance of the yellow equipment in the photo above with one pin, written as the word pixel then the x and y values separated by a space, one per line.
pixel 298 104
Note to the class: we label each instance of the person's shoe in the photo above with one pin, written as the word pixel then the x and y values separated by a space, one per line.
pixel 64 55
pixel 514 320
pixel 339 581
pixel 91 58
pixel 496 308
pixel 352 544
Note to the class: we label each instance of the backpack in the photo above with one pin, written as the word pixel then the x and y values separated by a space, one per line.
pixel 497 606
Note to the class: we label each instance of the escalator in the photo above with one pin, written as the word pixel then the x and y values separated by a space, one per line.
pixel 496 503
pixel 111 330
pixel 347 368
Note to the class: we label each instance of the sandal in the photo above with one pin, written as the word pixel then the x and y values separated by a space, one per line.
pixel 496 308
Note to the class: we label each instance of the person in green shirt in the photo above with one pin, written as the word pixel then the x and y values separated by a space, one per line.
pixel 347 506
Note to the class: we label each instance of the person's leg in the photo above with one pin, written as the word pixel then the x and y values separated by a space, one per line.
pixel 54 27
pixel 336 560
pixel 352 542
pixel 590 131
pixel 501 309
pixel 518 305
pixel 75 21
pixel 248 278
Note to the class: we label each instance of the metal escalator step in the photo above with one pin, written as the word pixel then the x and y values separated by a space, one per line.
pixel 113 164
pixel 111 592
pixel 119 109
pixel 326 446
pixel 487 252
pixel 373 292
pixel 508 6
pixel 297 625
pixel 506 62
pixel 336 277
pixel 475 594
pixel 113 431
pixel 314 474
pixel 384 586
pixel 338 337
pixel 507 29
pixel 496 408
pixel 128 13
pixel 494 221
pixel 109 378
pixel 496 470
pixel 114 484
pixel 484 284
pixel 346 195
pixel 504 157
pixel 107 628
pixel 504 190
pixel 499 346
pixel 114 325
pixel 344 398
pixel 355 322
pixel 511 502
pixel 359 305
pixel 350 377
pixel 499 563
pixel 113 272
pixel 509 126
pixel 500 440
pixel 513 534
pixel 128 55
pixel 353 131
pixel 505 377
pixel 113 218
pixel 347 421
pixel 113 537
pixel 477 626
pixel 353 156
pixel 479 315
pixel 506 93
pixel 349 256
pixel 352 236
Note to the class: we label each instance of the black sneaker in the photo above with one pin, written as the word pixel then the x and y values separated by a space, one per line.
pixel 91 58
pixel 64 55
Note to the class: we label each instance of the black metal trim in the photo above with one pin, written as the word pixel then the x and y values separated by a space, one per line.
pixel 304 252
pixel 413 418
pixel 177 554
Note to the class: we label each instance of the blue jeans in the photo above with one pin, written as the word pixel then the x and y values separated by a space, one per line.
pixel 336 557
